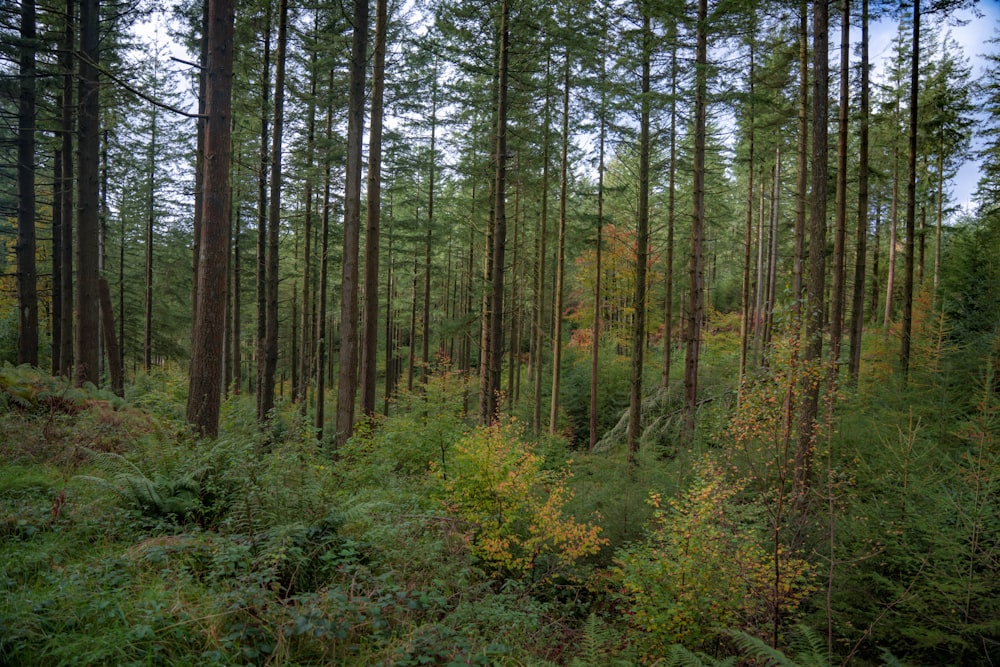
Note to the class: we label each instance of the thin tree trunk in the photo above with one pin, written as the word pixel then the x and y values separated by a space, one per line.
pixel 837 289
pixel 876 237
pixel 598 300
pixel 560 256
pixel 116 370
pixel 817 256
pixel 57 255
pixel 205 389
pixel 199 168
pixel 425 319
pixel 802 171
pixel 27 273
pixel 324 262
pixel 748 230
pixel 235 328
pixel 307 329
pixel 147 332
pixel 493 354
pixel 939 221
pixel 858 301
pixel 347 380
pixel 642 245
pixel 265 141
pixel 668 299
pixel 539 326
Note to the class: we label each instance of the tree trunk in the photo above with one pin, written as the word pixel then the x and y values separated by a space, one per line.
pixel 426 315
pixel 560 256
pixel 57 253
pixel 88 216
pixel 858 301
pixel 205 391
pixel 265 112
pixel 116 369
pixel 539 314
pixel 695 269
pixel 236 337
pixel 598 301
pixel 837 290
pixel 911 198
pixel 266 387
pixel 642 246
pixel 748 231
pixel 369 335
pixel 147 331
pixel 817 255
pixel 66 195
pixel 324 261
pixel 493 353
pixel 307 329
pixel 347 380
pixel 668 310
pixel 27 273
pixel 802 171
pixel 199 168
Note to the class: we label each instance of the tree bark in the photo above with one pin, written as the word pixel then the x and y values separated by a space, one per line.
pixel 204 395
pixel 911 198
pixel 307 329
pixel 817 256
pixel 493 353
pixel 265 140
pixel 88 188
pixel 695 268
pixel 116 369
pixel 27 273
pixel 642 245
pixel 560 256
pixel 837 290
pixel 802 171
pixel 540 328
pixel 347 380
pixel 68 115
pixel 858 301
pixel 324 262
pixel 598 300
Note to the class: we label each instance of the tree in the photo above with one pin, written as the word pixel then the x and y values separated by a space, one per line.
pixel 369 336
pixel 695 265
pixel 27 274
pixel 208 331
pixel 347 380
pixel 858 296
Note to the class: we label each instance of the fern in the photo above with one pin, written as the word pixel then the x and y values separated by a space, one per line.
pixel 678 656
pixel 805 645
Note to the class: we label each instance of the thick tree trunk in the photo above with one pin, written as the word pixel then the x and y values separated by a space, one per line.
pixel 209 328
pixel 88 188
pixel 347 380
pixel 27 273
pixel 199 168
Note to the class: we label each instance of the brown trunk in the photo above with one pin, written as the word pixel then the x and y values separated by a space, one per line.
pixel 265 111
pixel 695 268
pixel 27 273
pixel 802 170
pixel 347 380
pixel 147 331
pixel 66 195
pixel 668 311
pixel 598 300
pixel 747 234
pixel 307 328
pixel 817 256
pixel 560 256
pixel 266 387
pixel 911 198
pixel 324 261
pixel 209 327
pixel 88 216
pixel 540 328
pixel 199 168
pixel 425 337
pixel 858 301
pixel 837 290
pixel 116 371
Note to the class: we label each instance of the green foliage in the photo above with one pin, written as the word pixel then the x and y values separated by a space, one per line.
pixel 704 567
pixel 514 505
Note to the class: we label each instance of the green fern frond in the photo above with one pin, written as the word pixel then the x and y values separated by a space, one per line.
pixel 753 647
pixel 808 647
pixel 678 656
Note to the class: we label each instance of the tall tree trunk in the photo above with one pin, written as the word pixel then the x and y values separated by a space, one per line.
pixel 493 353
pixel 236 337
pixel 598 300
pixel 939 220
pixel 695 268
pixel 911 198
pixel 265 141
pixel 390 327
pixel 115 367
pixel 837 289
pixel 205 390
pixel 668 299
pixel 802 171
pixel 748 228
pixel 347 380
pixel 266 387
pixel 876 242
pixel 68 115
pixel 56 253
pixel 642 245
pixel 890 279
pixel 540 328
pixel 817 255
pixel 307 329
pixel 27 274
pixel 560 255
pixel 426 315
pixel 858 301
pixel 88 215
pixel 324 262
pixel 147 331
pixel 199 168
pixel 369 335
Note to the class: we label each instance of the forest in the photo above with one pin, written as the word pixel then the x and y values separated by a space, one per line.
pixel 618 332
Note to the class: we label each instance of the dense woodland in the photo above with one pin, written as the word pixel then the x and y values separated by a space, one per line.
pixel 516 333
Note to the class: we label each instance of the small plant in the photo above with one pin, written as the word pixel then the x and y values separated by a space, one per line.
pixel 514 506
